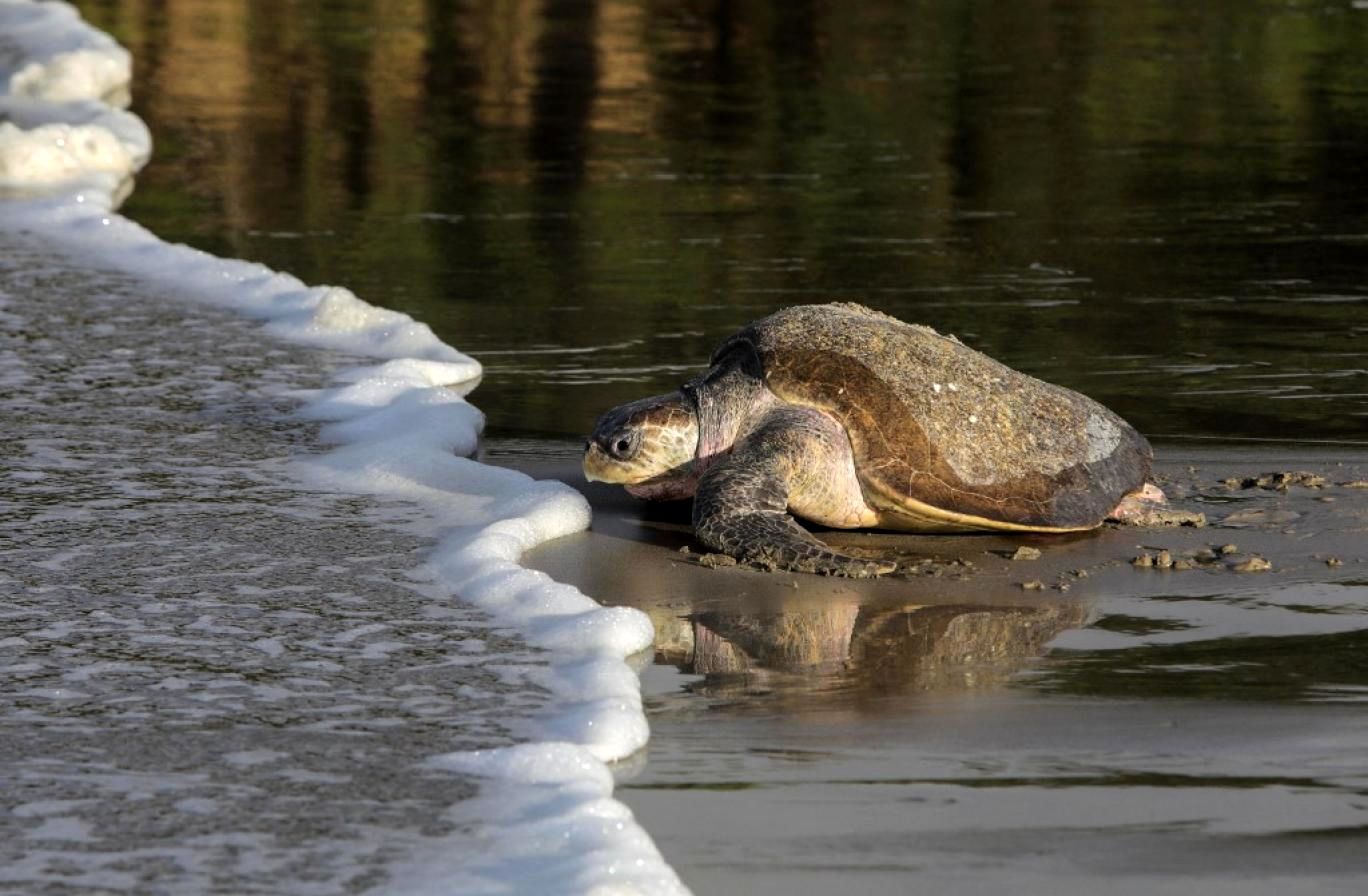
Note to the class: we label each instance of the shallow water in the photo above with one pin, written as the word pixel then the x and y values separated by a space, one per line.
pixel 1161 204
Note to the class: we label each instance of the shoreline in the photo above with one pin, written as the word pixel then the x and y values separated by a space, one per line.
pixel 628 533
pixel 399 430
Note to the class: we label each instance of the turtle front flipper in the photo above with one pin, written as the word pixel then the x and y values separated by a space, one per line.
pixel 796 458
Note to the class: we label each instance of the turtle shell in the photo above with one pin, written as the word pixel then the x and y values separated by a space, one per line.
pixel 943 434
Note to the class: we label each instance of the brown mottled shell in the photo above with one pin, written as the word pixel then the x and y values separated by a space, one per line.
pixel 936 425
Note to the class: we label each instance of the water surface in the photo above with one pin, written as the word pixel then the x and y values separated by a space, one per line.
pixel 1162 204
pixel 1159 203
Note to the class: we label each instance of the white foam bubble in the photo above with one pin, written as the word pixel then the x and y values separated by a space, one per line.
pixel 77 75
pixel 62 58
pixel 570 836
pixel 59 152
pixel 546 820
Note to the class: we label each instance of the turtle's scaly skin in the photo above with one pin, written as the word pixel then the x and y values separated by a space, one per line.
pixel 944 437
pixel 798 460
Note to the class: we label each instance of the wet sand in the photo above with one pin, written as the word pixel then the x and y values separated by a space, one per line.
pixel 215 679
pixel 643 554
pixel 1144 729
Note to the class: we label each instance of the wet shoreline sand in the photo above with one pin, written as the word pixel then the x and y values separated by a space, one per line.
pixel 217 678
pixel 644 554
pixel 1148 730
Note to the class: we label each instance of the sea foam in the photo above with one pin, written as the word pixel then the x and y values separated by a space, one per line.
pixel 545 820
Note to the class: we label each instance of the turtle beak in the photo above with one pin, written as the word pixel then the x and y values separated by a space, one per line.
pixel 598 466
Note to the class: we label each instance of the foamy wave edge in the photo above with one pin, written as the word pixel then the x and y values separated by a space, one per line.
pixel 68 152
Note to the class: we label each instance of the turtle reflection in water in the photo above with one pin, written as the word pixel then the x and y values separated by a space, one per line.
pixel 849 418
pixel 846 649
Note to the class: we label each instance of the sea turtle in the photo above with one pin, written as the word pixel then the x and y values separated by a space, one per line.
pixel 850 418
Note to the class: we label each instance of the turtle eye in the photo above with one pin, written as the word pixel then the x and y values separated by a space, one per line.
pixel 623 445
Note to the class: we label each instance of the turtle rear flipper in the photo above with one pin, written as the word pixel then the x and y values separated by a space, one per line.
pixel 796 457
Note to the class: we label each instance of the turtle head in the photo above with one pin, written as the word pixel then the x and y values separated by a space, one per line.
pixel 647 445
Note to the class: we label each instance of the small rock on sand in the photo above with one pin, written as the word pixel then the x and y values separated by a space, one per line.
pixel 1162 517
pixel 716 561
pixel 1033 585
pixel 1025 553
pixel 1252 564
pixel 1281 481
pixel 1162 559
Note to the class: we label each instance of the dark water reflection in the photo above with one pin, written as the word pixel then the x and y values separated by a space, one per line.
pixel 1160 203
